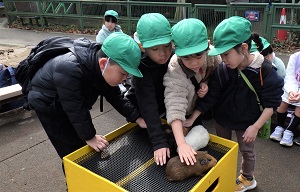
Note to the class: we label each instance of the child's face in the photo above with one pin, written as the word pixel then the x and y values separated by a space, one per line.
pixel 232 58
pixel 113 73
pixel 194 62
pixel 110 25
pixel 159 54
pixel 270 57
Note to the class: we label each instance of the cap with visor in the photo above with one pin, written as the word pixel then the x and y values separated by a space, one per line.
pixel 153 29
pixel 111 13
pixel 189 37
pixel 229 33
pixel 122 49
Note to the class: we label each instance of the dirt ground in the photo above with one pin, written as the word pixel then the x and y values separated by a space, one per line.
pixel 12 55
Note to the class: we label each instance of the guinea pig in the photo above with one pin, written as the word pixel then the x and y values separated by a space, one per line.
pixel 177 171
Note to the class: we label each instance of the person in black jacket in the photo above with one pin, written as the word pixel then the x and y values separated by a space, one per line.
pixel 235 105
pixel 67 86
pixel 154 33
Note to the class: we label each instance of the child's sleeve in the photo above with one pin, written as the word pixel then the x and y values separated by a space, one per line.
pixel 290 81
pixel 100 37
pixel 176 92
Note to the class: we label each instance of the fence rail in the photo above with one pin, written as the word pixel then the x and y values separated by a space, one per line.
pixel 89 13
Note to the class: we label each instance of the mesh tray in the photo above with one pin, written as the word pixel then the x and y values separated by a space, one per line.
pixel 128 162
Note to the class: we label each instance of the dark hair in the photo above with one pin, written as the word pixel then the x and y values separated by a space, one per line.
pixel 101 54
pixel 109 18
pixel 248 41
pixel 197 54
pixel 267 50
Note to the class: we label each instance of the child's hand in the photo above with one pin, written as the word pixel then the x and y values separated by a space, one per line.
pixel 203 90
pixel 188 123
pixel 98 142
pixel 294 97
pixel 186 154
pixel 141 122
pixel 250 133
pixel 160 156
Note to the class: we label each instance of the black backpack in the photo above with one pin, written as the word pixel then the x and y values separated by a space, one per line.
pixel 38 56
pixel 263 72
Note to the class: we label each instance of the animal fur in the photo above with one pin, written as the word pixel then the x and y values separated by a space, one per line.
pixel 177 171
pixel 197 137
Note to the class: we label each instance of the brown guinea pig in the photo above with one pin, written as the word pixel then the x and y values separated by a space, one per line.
pixel 177 171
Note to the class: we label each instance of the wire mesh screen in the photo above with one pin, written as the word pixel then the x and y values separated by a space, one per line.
pixel 128 162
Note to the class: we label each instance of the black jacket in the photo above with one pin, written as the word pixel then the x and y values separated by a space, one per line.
pixel 71 84
pixel 148 92
pixel 234 105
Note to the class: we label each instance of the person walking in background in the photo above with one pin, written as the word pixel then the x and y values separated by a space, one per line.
pixel 67 86
pixel 185 80
pixel 261 45
pixel 110 26
pixel 235 105
pixel 291 96
pixel 154 33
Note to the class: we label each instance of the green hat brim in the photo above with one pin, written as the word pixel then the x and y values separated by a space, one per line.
pixel 191 50
pixel 217 51
pixel 133 71
pixel 155 42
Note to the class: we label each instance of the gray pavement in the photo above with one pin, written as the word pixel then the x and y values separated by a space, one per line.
pixel 29 163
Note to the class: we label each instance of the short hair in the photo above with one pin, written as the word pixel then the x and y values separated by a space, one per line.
pixel 248 41
pixel 109 18
pixel 101 54
pixel 197 54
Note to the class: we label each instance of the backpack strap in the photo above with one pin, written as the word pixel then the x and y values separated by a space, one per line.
pixel 222 73
pixel 195 83
pixel 11 71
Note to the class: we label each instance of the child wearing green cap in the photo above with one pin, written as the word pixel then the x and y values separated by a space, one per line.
pixel 185 80
pixel 154 33
pixel 235 105
pixel 67 86
pixel 110 26
pixel 261 45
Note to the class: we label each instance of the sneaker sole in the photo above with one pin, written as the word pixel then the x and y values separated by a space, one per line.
pixel 275 138
pixel 249 187
pixel 286 144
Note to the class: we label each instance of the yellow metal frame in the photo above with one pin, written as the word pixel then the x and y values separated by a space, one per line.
pixel 80 179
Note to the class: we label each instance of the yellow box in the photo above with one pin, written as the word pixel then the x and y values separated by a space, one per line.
pixel 130 166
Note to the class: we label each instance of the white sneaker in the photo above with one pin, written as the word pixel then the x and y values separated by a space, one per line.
pixel 277 134
pixel 287 138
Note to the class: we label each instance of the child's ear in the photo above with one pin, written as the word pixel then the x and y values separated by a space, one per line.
pixel 244 47
pixel 102 62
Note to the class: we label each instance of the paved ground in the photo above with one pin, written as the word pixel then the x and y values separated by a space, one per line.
pixel 28 162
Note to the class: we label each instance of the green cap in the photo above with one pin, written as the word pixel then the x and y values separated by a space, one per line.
pixel 229 33
pixel 264 42
pixel 124 50
pixel 111 13
pixel 189 36
pixel 153 29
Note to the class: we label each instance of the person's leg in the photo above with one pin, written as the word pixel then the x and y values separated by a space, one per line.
pixel 61 133
pixel 288 134
pixel 248 155
pixel 282 113
pixel 222 132
pixel 281 116
pixel 246 180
